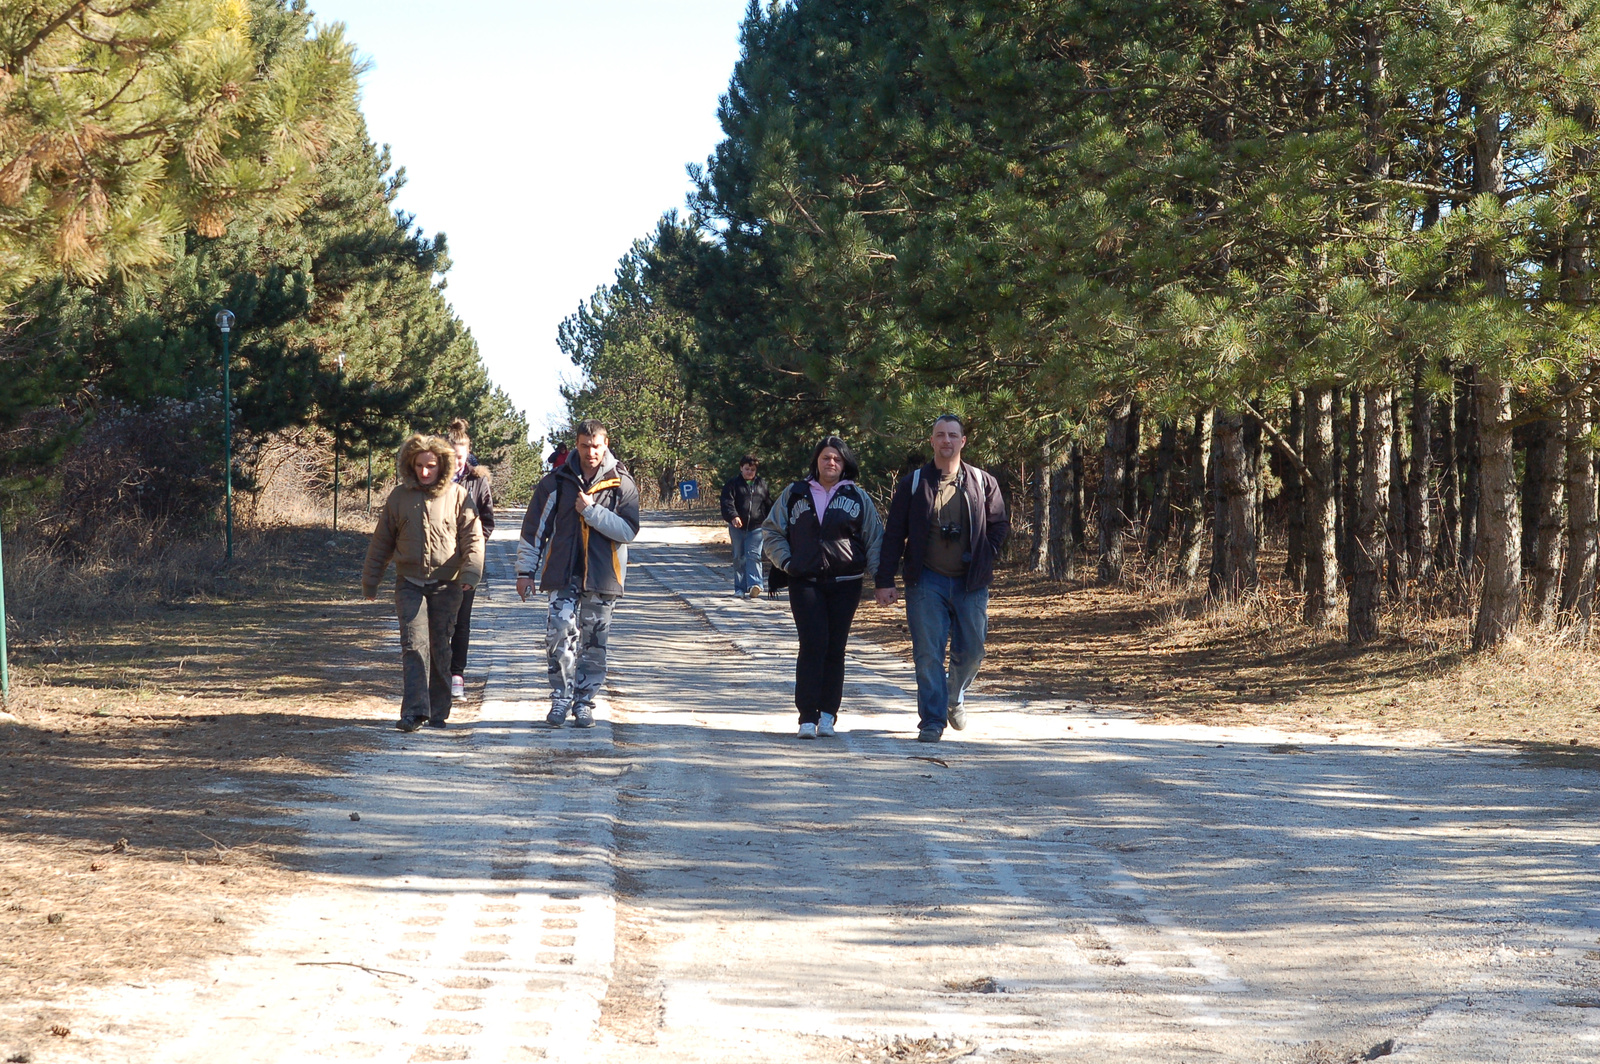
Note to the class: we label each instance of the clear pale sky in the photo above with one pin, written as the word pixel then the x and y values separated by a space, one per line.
pixel 541 138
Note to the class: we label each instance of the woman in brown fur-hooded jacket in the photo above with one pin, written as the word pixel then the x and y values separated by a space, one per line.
pixel 430 529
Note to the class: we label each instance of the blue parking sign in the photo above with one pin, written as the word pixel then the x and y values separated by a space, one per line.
pixel 688 489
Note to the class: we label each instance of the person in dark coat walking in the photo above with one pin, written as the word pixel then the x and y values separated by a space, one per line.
pixel 474 476
pixel 824 533
pixel 948 521
pixel 745 504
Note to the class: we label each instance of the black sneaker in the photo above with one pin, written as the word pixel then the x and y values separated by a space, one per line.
pixel 929 735
pixel 583 716
pixel 435 722
pixel 409 723
pixel 556 717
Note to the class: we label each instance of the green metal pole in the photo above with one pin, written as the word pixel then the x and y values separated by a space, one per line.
pixel 228 439
pixel 227 442
pixel 369 476
pixel 336 482
pixel 5 655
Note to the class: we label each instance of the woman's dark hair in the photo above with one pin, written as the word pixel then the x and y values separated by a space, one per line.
pixel 852 469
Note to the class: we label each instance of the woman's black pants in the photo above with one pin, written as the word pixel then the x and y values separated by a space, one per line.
pixel 463 636
pixel 823 610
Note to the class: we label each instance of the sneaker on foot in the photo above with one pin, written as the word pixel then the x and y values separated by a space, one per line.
pixel 825 725
pixel 958 717
pixel 929 735
pixel 808 730
pixel 755 592
pixel 583 716
pixel 458 687
pixel 435 722
pixel 556 717
pixel 410 723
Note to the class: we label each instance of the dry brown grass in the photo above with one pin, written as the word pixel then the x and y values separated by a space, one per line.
pixel 1160 648
pixel 156 740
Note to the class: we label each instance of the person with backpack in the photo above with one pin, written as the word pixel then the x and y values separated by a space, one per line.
pixel 745 503
pixel 430 530
pixel 824 534
pixel 948 521
pixel 574 546
pixel 474 476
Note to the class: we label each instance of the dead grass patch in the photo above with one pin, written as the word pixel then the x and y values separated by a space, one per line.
pixel 155 744
pixel 1160 649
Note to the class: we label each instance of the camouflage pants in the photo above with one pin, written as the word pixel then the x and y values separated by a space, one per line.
pixel 576 630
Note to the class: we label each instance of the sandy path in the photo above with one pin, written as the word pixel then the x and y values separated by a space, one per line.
pixel 1122 891
pixel 691 883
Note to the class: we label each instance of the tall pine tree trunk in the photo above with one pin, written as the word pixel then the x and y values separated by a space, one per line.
pixel 1448 541
pixel 1192 529
pixel 1395 547
pixel 1294 496
pixel 1321 512
pixel 1545 479
pixel 1076 510
pixel 1369 540
pixel 1113 480
pixel 1039 548
pixel 1234 571
pixel 1160 524
pixel 1578 581
pixel 1341 523
pixel 1354 421
pixel 1061 552
pixel 1499 554
pixel 1469 454
pixel 1419 516
pixel 1130 473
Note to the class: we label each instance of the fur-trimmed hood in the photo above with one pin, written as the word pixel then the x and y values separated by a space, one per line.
pixel 416 445
pixel 476 471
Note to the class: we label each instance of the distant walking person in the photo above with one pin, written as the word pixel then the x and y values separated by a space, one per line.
pixel 824 533
pixel 745 504
pixel 474 476
pixel 575 539
pixel 430 529
pixel 948 521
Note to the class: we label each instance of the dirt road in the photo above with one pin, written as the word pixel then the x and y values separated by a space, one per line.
pixel 688 882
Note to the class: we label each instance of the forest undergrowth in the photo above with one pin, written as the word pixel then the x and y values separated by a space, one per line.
pixel 1163 649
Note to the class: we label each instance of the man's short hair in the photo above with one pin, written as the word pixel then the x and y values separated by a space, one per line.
pixel 960 424
pixel 591 427
pixel 749 459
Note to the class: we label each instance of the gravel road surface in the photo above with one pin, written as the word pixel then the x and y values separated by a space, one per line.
pixel 689 882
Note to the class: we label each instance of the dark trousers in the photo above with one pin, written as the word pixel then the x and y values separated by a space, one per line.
pixel 823 610
pixel 427 621
pixel 463 636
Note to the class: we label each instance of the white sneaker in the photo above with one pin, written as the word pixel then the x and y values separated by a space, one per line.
pixel 825 725
pixel 808 731
pixel 458 687
pixel 754 592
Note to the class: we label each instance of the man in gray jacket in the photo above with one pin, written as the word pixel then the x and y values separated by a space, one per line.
pixel 574 546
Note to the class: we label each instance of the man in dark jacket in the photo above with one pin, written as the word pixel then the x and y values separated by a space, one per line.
pixel 574 546
pixel 745 503
pixel 948 521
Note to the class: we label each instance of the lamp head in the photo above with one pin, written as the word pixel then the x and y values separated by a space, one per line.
pixel 225 320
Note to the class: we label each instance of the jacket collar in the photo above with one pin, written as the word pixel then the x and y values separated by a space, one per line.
pixel 572 468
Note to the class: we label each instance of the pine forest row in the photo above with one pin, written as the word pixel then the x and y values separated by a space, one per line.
pixel 1195 271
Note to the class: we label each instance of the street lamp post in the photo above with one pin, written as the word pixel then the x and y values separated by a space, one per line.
pixel 336 455
pixel 225 323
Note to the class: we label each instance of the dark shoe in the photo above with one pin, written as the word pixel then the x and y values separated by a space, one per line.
pixel 929 735
pixel 435 722
pixel 409 723
pixel 583 716
pixel 958 717
pixel 556 717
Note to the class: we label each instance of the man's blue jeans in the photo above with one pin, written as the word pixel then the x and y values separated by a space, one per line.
pixel 941 612
pixel 746 558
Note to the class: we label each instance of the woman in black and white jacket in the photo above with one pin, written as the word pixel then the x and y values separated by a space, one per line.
pixel 824 533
